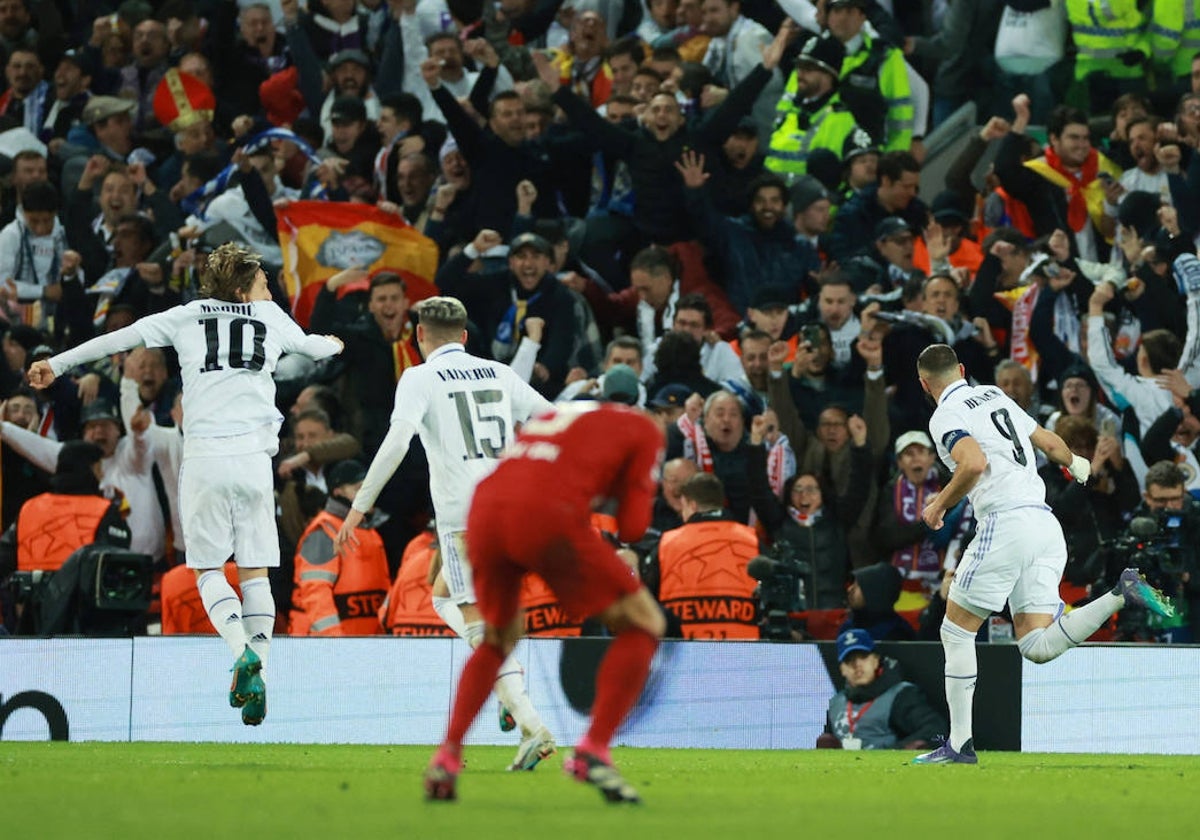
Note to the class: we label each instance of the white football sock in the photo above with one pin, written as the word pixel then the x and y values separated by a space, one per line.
pixel 961 671
pixel 223 608
pixel 258 615
pixel 451 615
pixel 1069 630
pixel 473 634
pixel 510 688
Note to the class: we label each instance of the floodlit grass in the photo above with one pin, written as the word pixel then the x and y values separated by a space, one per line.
pixel 250 792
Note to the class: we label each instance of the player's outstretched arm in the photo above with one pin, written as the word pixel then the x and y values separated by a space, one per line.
pixel 970 463
pixel 43 373
pixel 383 465
pixel 1056 450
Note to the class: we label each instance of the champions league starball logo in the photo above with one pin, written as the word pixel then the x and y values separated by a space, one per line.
pixel 349 250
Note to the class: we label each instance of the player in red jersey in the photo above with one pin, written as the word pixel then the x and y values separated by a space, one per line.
pixel 532 515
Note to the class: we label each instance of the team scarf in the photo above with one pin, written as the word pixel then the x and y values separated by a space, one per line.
pixel 1021 348
pixel 918 559
pixel 805 520
pixel 781 464
pixel 195 203
pixel 1077 209
pixel 404 355
pixel 695 443
pixel 508 333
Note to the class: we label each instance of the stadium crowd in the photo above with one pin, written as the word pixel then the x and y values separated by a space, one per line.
pixel 708 209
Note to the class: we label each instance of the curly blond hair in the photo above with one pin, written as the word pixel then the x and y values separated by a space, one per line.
pixel 229 271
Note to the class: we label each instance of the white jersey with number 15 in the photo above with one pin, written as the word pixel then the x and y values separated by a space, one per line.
pixel 464 409
pixel 1002 430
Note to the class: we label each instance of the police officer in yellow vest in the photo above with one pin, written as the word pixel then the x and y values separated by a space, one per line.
pixel 811 114
pixel 874 76
pixel 1174 41
pixel 1111 46
pixel 702 566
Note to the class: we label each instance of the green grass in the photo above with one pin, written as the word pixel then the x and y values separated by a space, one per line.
pixel 251 792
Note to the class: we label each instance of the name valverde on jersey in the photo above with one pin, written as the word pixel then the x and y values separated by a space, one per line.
pixel 1002 430
pixel 464 409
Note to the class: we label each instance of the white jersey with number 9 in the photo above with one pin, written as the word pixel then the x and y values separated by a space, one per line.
pixel 1001 429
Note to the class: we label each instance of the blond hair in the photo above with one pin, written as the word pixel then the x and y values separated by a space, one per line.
pixel 444 317
pixel 229 272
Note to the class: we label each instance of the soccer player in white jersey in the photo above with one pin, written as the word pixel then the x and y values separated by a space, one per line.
pixel 1018 552
pixel 228 342
pixel 464 408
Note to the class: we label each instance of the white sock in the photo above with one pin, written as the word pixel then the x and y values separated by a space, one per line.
pixel 510 688
pixel 473 633
pixel 961 670
pixel 258 615
pixel 451 615
pixel 223 608
pixel 1046 643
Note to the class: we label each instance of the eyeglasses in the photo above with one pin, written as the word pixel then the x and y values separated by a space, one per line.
pixel 805 489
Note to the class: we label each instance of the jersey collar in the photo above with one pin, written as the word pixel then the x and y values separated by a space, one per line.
pixel 951 388
pixel 452 347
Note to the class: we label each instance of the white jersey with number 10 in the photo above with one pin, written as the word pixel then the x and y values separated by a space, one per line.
pixel 1002 430
pixel 227 353
pixel 464 409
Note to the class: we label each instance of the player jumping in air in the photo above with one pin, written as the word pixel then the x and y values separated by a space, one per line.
pixel 1018 553
pixel 228 342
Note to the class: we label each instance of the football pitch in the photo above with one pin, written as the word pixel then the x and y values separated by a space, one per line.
pixel 245 791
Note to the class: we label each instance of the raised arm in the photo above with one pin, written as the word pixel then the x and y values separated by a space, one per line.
pixel 1056 450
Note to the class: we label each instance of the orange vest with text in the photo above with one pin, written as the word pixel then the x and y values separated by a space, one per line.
pixel 342 596
pixel 703 579
pixel 182 609
pixel 544 616
pixel 408 608
pixel 52 526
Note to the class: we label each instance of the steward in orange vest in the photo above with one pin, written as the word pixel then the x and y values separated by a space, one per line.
pixel 702 567
pixel 339 594
pixel 408 608
pixel 52 526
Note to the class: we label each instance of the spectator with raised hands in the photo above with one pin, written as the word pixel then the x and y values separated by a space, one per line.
pixel 758 249
pixel 652 149
pixel 722 444
pixel 1066 183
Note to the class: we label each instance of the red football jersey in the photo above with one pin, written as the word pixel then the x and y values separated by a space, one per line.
pixel 582 453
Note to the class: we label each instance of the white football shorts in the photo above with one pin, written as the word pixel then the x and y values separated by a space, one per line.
pixel 227 507
pixel 1017 555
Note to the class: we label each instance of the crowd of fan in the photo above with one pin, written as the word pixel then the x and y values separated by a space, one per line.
pixel 707 208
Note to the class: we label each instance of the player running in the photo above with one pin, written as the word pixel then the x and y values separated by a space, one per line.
pixel 228 342
pixel 585 452
pixel 464 408
pixel 1018 553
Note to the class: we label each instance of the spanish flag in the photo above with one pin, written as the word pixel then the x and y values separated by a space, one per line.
pixel 321 238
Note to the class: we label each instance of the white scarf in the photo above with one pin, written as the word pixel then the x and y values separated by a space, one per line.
pixel 648 330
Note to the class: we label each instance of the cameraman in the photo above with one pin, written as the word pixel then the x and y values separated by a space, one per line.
pixel 1175 545
pixel 51 526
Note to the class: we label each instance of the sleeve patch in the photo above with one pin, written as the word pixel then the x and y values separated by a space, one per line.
pixel 952 437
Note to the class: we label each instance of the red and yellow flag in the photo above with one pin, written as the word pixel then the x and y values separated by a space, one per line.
pixel 321 238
